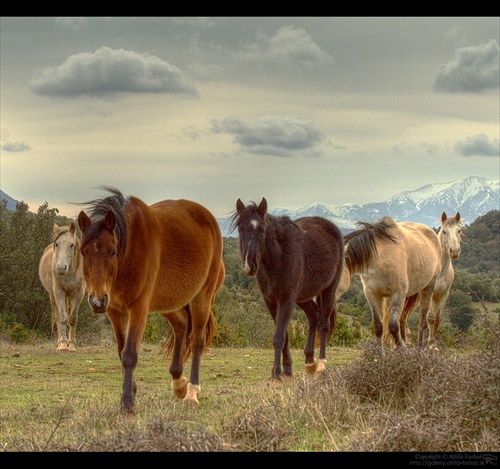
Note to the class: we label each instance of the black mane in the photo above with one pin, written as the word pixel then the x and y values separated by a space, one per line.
pixel 99 208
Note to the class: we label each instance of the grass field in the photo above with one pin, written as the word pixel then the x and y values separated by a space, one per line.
pixel 403 401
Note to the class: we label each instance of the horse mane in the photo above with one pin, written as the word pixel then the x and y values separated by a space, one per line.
pixel 58 234
pixel 249 212
pixel 99 208
pixel 362 246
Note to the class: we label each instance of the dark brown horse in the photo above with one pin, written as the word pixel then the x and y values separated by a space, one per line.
pixel 295 263
pixel 167 258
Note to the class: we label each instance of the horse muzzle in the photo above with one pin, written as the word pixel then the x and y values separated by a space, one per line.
pixel 62 269
pixel 454 253
pixel 99 305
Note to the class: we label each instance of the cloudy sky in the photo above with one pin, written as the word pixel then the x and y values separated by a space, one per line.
pixel 296 109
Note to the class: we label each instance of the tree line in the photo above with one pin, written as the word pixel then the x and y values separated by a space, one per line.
pixel 241 317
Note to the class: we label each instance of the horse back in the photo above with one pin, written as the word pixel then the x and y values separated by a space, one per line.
pixel 323 250
pixel 175 250
pixel 415 260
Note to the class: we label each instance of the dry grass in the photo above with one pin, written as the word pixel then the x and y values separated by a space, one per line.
pixel 403 401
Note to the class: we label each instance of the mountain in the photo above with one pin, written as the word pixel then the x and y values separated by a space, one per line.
pixel 472 197
pixel 11 203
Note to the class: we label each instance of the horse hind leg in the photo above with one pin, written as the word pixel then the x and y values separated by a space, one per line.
pixel 395 312
pixel 312 314
pixel 73 307
pixel 176 345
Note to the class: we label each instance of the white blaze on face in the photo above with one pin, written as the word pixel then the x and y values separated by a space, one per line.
pixel 246 266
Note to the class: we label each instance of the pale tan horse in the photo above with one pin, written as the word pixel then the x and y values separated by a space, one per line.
pixel 395 261
pixel 450 241
pixel 61 273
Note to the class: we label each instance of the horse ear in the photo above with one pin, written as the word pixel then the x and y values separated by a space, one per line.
pixel 262 206
pixel 457 216
pixel 83 221
pixel 56 228
pixel 443 217
pixel 109 221
pixel 239 206
pixel 72 228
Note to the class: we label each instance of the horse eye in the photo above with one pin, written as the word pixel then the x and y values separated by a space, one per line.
pixel 444 231
pixel 72 245
pixel 113 253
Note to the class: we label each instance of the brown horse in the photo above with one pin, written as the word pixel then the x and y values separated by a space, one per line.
pixel 295 263
pixel 167 258
pixel 60 271
pixel 401 264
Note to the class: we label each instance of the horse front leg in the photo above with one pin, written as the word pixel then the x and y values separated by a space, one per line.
pixel 60 305
pixel 129 327
pixel 311 310
pixel 280 340
pixel 425 306
pixel 434 319
pixel 73 307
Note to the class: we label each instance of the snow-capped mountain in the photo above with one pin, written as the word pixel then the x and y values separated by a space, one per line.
pixel 472 197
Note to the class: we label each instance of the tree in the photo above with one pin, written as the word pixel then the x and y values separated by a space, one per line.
pixel 461 310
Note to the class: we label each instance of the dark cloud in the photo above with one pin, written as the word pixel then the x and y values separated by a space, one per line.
pixel 473 70
pixel 15 147
pixel 109 71
pixel 273 135
pixel 478 145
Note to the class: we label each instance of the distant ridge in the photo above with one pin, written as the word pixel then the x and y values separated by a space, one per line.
pixel 472 196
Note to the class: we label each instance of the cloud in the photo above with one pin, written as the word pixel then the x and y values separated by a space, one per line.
pixel 473 70
pixel 73 23
pixel 478 145
pixel 290 45
pixel 273 135
pixel 15 147
pixel 109 71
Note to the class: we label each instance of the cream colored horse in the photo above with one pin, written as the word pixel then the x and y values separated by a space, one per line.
pixel 61 273
pixel 450 241
pixel 400 264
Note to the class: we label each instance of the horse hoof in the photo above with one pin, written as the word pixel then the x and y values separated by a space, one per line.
pixel 321 367
pixel 179 387
pixel 286 378
pixel 62 350
pixel 311 367
pixel 191 399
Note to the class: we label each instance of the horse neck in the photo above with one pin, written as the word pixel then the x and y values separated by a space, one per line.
pixel 445 255
pixel 272 254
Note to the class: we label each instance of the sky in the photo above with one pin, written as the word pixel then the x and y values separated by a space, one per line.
pixel 299 110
